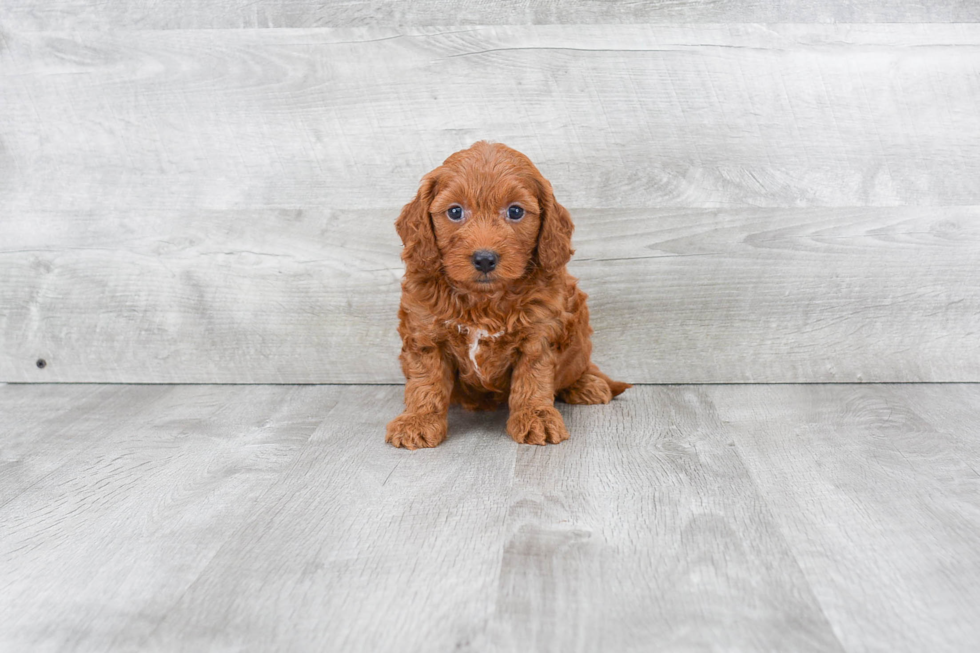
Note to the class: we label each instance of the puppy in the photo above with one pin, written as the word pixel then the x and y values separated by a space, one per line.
pixel 488 313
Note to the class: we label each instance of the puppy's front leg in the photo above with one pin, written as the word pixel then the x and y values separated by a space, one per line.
pixel 429 382
pixel 533 416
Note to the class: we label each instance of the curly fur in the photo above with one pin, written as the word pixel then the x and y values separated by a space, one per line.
pixel 519 334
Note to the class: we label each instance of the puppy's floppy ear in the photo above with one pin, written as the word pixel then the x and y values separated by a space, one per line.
pixel 555 237
pixel 414 226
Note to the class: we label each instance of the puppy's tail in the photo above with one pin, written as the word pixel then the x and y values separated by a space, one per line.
pixel 617 387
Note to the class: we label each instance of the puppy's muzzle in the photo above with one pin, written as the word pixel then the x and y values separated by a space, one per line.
pixel 485 261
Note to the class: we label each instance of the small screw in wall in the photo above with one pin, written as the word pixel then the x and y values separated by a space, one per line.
pixel 41 363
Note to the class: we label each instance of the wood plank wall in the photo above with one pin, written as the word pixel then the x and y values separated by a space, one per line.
pixel 187 198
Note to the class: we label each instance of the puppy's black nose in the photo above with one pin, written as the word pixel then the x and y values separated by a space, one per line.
pixel 485 261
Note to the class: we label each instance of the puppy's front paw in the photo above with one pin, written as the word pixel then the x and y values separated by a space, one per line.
pixel 541 425
pixel 416 430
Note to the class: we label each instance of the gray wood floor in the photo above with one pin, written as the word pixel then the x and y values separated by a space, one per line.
pixel 741 518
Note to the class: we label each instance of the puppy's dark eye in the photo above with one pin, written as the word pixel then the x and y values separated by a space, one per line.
pixel 455 213
pixel 515 213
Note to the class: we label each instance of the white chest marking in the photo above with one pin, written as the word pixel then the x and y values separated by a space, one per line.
pixel 476 335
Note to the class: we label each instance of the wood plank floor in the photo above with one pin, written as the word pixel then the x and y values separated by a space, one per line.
pixel 741 518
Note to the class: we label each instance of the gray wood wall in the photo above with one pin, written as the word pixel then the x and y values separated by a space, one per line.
pixel 185 198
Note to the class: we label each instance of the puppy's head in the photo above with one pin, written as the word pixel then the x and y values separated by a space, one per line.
pixel 485 218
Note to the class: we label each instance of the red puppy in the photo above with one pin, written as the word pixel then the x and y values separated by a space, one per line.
pixel 488 312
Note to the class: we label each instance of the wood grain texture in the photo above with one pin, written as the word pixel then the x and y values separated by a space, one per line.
pixel 202 297
pixel 886 478
pixel 216 206
pixel 35 419
pixel 749 295
pixel 615 115
pixel 186 14
pixel 644 532
pixel 362 547
pixel 823 518
pixel 137 502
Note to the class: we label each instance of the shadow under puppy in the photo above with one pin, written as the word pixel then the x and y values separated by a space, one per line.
pixel 489 315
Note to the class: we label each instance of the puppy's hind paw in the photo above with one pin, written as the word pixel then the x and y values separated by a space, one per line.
pixel 589 389
pixel 542 425
pixel 416 430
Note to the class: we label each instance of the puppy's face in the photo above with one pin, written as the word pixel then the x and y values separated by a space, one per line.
pixel 484 218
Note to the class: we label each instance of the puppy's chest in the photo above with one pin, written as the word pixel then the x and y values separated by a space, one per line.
pixel 483 357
